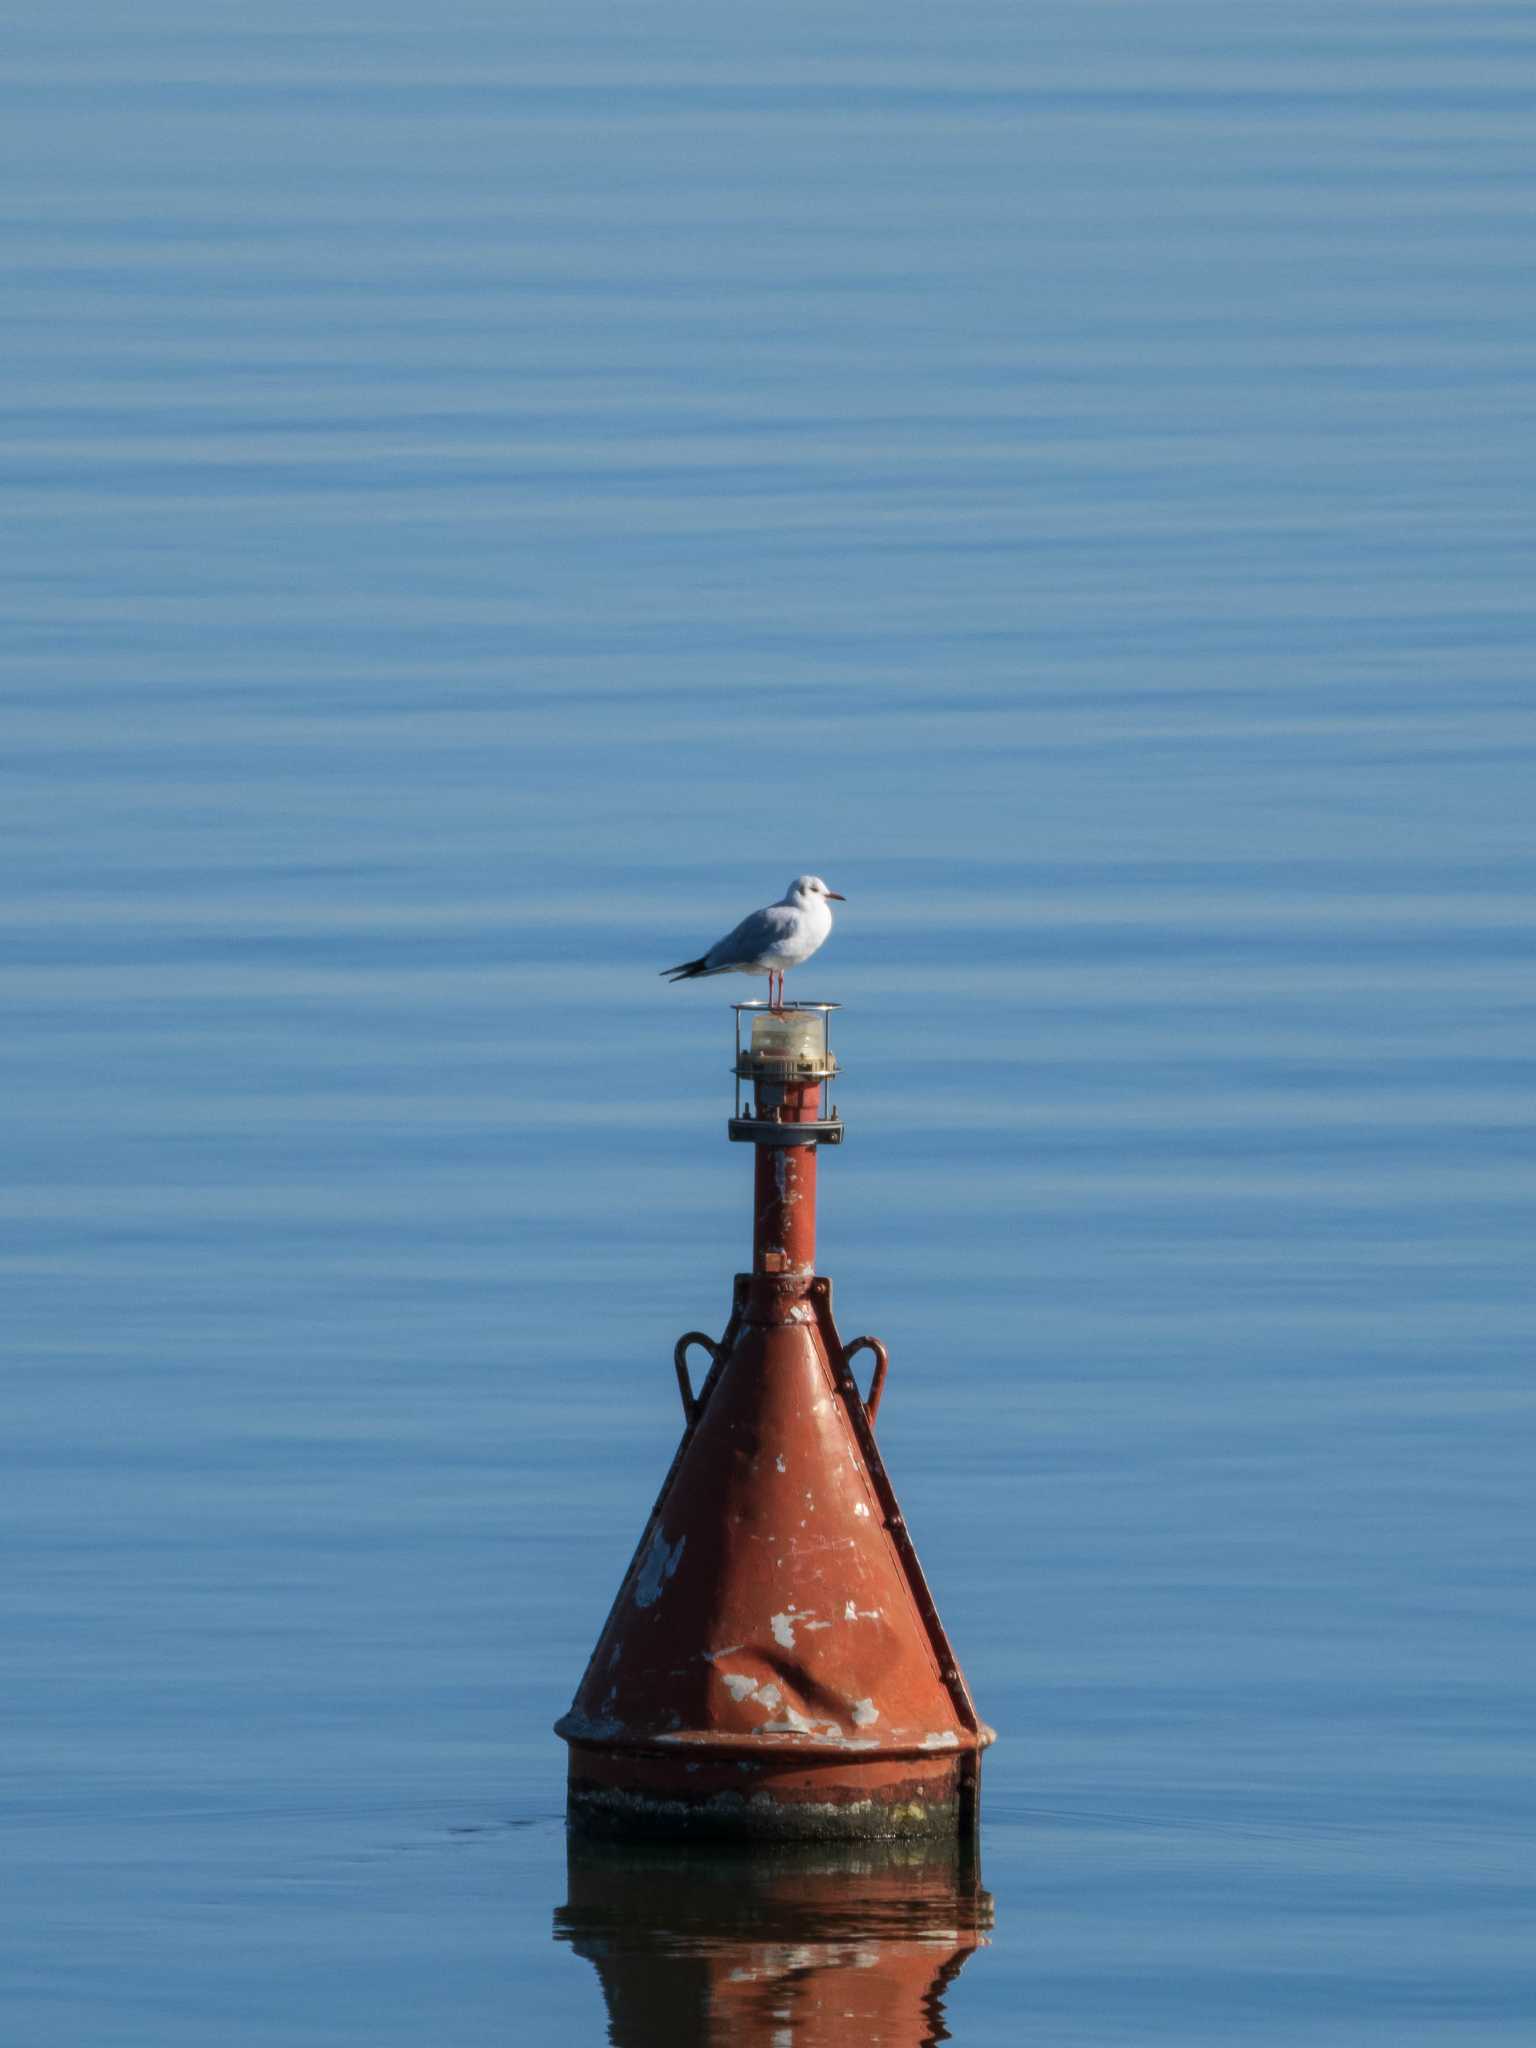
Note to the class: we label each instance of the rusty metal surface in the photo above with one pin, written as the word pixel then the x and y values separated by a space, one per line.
pixel 784 1229
pixel 772 1598
pixel 733 1799
pixel 774 1663
pixel 896 1524
pixel 784 1185
pixel 774 1620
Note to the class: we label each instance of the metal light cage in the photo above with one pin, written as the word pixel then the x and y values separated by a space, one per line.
pixel 811 1060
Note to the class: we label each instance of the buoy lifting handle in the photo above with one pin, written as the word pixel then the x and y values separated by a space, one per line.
pixel 692 1403
pixel 882 1367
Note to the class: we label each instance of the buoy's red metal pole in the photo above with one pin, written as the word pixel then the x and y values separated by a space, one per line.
pixel 774 1666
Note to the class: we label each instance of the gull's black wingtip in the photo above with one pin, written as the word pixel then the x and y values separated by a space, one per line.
pixel 688 971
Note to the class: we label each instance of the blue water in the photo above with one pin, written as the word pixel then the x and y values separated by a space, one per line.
pixel 486 500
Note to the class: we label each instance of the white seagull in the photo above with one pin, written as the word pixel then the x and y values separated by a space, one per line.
pixel 772 939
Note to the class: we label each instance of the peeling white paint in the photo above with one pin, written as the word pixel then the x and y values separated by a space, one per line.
pixel 714 1656
pixel 826 1734
pixel 783 1630
pixel 808 1546
pixel 860 1509
pixel 793 1723
pixel 947 1740
pixel 811 1626
pixel 850 1613
pixel 741 1685
pixel 778 1463
pixel 656 1567
pixel 865 1713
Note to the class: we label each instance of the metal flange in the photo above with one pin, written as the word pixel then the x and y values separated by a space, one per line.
pixel 762 1067
pixel 751 1130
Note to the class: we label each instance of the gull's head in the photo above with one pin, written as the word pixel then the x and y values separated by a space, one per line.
pixel 804 887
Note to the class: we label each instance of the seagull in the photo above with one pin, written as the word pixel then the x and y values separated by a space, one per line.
pixel 772 939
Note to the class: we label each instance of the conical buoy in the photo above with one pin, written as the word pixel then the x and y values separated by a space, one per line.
pixel 774 1666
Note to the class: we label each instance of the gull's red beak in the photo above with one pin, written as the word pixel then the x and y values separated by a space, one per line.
pixel 837 896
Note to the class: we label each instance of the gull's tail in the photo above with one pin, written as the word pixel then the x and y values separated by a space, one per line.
pixel 690 970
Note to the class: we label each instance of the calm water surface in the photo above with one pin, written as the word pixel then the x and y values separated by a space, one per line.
pixel 486 501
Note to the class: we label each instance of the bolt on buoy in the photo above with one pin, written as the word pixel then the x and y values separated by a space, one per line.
pixel 774 1667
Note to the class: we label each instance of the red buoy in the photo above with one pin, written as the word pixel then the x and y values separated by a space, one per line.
pixel 774 1666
